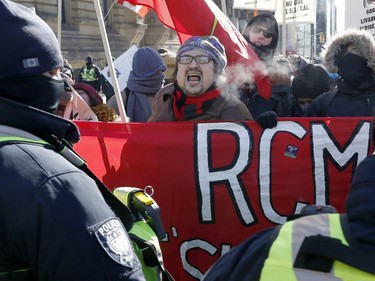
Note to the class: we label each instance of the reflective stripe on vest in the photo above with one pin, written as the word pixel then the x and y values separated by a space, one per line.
pixel 89 74
pixel 283 252
pixel 17 274
pixel 13 134
pixel 20 140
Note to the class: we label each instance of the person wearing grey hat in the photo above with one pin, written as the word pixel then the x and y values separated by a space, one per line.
pixel 55 223
pixel 351 54
pixel 145 79
pixel 194 94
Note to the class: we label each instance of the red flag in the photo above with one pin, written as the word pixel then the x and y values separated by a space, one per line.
pixel 203 17
pixel 140 10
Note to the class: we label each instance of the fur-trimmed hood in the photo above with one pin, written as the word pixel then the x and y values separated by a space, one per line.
pixel 363 40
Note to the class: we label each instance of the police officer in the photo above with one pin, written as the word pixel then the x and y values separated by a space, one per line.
pixel 313 247
pixel 55 224
pixel 90 74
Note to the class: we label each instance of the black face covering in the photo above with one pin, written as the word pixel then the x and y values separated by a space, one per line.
pixel 39 91
pixel 354 70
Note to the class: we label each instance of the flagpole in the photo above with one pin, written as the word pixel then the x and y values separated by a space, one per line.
pixel 111 67
pixel 59 9
pixel 283 51
pixel 224 7
pixel 255 13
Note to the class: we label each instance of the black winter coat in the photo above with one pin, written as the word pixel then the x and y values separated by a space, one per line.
pixel 343 101
pixel 54 221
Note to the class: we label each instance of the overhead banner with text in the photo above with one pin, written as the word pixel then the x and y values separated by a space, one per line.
pixel 217 183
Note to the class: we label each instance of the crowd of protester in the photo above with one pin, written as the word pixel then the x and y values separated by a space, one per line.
pixel 342 85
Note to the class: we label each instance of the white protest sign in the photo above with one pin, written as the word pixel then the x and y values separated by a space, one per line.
pixel 123 66
pixel 296 11
pixel 360 15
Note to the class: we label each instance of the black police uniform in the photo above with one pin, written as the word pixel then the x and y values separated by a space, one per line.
pixel 55 224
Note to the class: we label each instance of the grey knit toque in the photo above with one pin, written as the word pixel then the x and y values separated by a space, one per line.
pixel 209 45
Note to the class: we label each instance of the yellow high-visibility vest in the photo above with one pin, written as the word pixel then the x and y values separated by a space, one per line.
pixel 89 74
pixel 283 252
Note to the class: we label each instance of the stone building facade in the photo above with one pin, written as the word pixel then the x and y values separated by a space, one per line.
pixel 80 33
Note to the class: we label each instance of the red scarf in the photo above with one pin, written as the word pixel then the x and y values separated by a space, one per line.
pixel 187 107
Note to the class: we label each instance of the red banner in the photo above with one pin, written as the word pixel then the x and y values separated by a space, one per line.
pixel 217 183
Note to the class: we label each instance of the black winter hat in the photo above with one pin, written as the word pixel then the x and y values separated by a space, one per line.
pixel 310 82
pixel 268 20
pixel 89 60
pixel 30 47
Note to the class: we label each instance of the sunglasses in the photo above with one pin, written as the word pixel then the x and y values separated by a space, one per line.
pixel 266 33
pixel 199 59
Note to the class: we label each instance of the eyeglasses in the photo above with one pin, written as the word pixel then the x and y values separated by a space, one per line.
pixel 266 33
pixel 199 59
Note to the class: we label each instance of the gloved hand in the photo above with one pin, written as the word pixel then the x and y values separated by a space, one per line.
pixel 267 119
